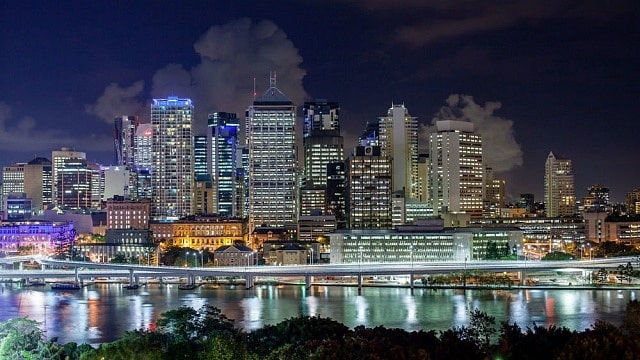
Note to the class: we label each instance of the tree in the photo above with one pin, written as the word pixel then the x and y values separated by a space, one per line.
pixel 21 338
pixel 492 251
pixel 602 275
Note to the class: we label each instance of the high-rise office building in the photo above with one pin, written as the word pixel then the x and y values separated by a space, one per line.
pixel 33 179
pixel 597 199
pixel 223 131
pixel 76 183
pixel 322 144
pixel 398 136
pixel 200 158
pixel 124 140
pixel 335 201
pixel 58 159
pixel 271 132
pixel 559 192
pixel 172 148
pixel 494 194
pixel 13 179
pixel 204 198
pixel 38 183
pixel 368 203
pixel 456 169
pixel 141 186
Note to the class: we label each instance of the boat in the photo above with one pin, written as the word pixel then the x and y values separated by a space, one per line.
pixel 131 286
pixel 65 286
pixel 34 283
pixel 187 286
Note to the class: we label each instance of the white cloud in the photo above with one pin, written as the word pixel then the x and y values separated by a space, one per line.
pixel 231 56
pixel 501 150
pixel 117 101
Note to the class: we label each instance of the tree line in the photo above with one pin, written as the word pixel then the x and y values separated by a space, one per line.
pixel 186 333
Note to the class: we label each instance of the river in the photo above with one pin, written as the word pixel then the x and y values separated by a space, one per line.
pixel 103 312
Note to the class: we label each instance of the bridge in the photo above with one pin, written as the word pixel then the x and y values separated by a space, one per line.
pixel 81 270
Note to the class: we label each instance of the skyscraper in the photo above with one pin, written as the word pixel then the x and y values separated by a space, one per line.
pixel 37 183
pixel 399 141
pixel 172 148
pixel 559 192
pixel 335 202
pixel 456 169
pixel 222 134
pixel 58 159
pixel 322 144
pixel 369 189
pixel 75 183
pixel 272 159
pixel 141 186
pixel 124 140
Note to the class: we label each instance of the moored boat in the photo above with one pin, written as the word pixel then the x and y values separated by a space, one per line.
pixel 187 286
pixel 65 286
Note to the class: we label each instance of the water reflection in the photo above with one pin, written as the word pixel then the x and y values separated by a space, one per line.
pixel 103 312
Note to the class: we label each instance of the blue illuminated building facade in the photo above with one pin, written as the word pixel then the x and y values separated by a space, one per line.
pixel 223 139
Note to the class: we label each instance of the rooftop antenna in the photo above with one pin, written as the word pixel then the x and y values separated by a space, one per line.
pixel 272 80
pixel 254 88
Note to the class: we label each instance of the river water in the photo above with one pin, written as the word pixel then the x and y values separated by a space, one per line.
pixel 103 312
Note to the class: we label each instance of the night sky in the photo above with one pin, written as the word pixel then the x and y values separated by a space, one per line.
pixel 534 76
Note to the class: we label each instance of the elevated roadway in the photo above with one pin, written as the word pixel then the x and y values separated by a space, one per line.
pixel 78 270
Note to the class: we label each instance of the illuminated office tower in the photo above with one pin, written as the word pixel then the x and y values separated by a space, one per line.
pixel 335 203
pixel 223 140
pixel 242 182
pixel 368 203
pixel 423 177
pixel 322 144
pixel 494 194
pixel 13 179
pixel 172 148
pixel 37 183
pixel 142 187
pixel 75 183
pixel 203 201
pixel 58 158
pixel 272 159
pixel 200 158
pixel 33 179
pixel 559 192
pixel 124 140
pixel 456 169
pixel 143 143
pixel 398 136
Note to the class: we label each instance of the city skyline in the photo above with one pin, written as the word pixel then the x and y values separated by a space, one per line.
pixel 534 77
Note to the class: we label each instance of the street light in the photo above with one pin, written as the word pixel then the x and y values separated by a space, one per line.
pixel 186 259
pixel 411 255
pixel 201 258
pixel 195 259
pixel 311 256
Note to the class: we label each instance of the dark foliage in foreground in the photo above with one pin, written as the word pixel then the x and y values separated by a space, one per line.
pixel 186 333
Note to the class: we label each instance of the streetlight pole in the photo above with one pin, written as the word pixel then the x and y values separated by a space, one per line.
pixel 411 255
pixel 195 259
pixel 311 256
pixel 201 258
pixel 186 259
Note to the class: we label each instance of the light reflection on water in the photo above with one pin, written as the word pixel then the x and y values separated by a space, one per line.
pixel 103 312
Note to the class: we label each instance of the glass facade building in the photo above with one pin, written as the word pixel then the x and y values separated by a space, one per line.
pixel 172 149
pixel 223 140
